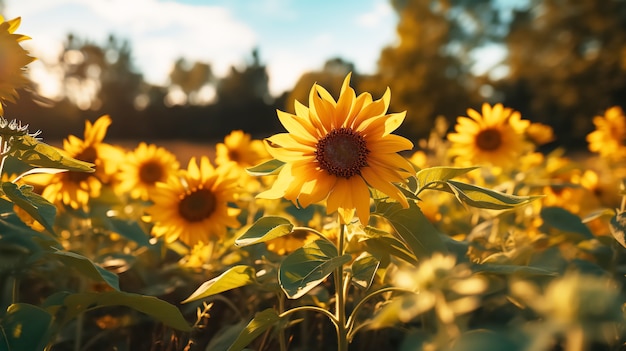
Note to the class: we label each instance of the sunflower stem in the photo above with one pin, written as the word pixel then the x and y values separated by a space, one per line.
pixel 340 303
pixel 281 333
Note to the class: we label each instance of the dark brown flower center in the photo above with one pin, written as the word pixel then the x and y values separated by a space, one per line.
pixel 342 152
pixel 151 172
pixel 234 155
pixel 489 139
pixel 197 205
pixel 88 155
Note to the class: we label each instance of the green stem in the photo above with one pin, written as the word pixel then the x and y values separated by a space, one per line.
pixel 281 333
pixel 310 308
pixel 15 292
pixel 352 318
pixel 340 303
pixel 310 230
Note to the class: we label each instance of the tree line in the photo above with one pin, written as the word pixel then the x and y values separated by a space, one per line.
pixel 563 62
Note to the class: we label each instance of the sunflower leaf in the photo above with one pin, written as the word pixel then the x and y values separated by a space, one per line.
pixel 618 228
pixel 308 266
pixel 261 322
pixel 439 174
pixel 410 224
pixel 88 268
pixel 264 229
pixel 562 219
pixel 235 277
pixel 38 154
pixel 34 204
pixel 25 327
pixel 73 305
pixel 364 269
pixel 476 196
pixel 266 168
pixel 383 247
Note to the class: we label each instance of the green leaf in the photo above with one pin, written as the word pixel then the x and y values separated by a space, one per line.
pixel 39 154
pixel 166 313
pixel 618 227
pixel 410 224
pixel 88 268
pixel 34 204
pixel 266 168
pixel 480 197
pixel 235 277
pixel 364 269
pixel 439 174
pixel 24 327
pixel 383 247
pixel 261 322
pixel 225 336
pixel 130 230
pixel 308 266
pixel 562 219
pixel 264 229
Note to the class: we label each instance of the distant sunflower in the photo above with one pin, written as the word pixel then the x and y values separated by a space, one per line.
pixel 13 58
pixel 336 150
pixel 195 206
pixel 143 168
pixel 610 134
pixel 239 147
pixel 496 137
pixel 76 188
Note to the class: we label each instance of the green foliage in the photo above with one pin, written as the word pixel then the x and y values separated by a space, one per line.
pixel 67 306
pixel 410 224
pixel 234 277
pixel 38 154
pixel 261 322
pixel 35 205
pixel 364 269
pixel 266 168
pixel 264 229
pixel 563 220
pixel 618 228
pixel 24 327
pixel 308 266
pixel 87 267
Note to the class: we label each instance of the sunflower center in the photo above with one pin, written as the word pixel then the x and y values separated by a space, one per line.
pixel 234 155
pixel 151 172
pixel 197 205
pixel 342 152
pixel 89 154
pixel 489 139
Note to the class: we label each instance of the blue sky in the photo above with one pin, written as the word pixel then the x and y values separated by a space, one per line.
pixel 294 36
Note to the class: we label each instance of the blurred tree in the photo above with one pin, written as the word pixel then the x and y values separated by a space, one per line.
pixel 190 79
pixel 429 70
pixel 567 62
pixel 248 84
pixel 102 79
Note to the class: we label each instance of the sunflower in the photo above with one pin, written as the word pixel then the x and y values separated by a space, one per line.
pixel 143 168
pixel 496 137
pixel 195 206
pixel 610 134
pixel 239 147
pixel 13 58
pixel 335 150
pixel 76 188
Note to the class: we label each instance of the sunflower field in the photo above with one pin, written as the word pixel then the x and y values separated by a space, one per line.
pixel 337 234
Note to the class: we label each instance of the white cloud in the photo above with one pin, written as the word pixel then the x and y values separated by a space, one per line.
pixel 285 68
pixel 380 13
pixel 159 32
